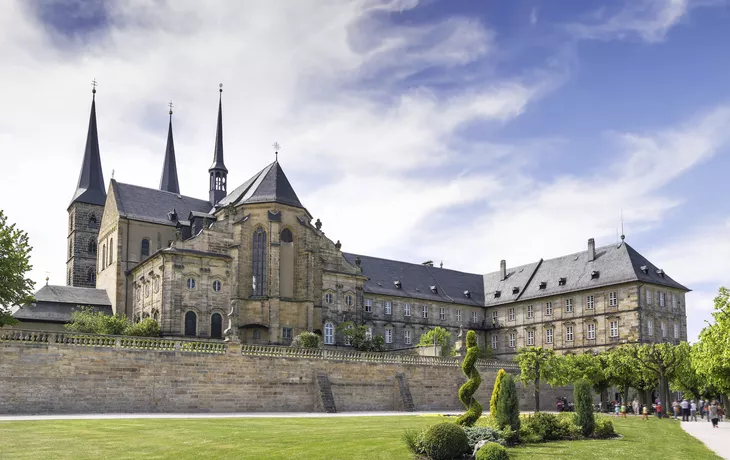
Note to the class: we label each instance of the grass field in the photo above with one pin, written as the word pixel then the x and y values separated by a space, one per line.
pixel 345 438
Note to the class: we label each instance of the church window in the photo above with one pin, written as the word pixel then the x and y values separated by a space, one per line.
pixel 92 221
pixel 92 246
pixel 329 298
pixel 137 293
pixel 191 283
pixel 111 251
pixel 145 248
pixel 191 323
pixel 388 334
pixel 216 326
pixel 103 256
pixel 259 262
pixel 156 316
pixel 348 300
pixel 217 286
pixel 286 263
pixel 329 334
pixel 91 276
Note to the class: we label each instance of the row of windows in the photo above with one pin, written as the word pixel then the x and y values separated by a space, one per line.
pixel 388 334
pixel 662 327
pixel 613 332
pixel 190 283
pixel 216 325
pixel 568 306
pixel 662 299
pixel 424 310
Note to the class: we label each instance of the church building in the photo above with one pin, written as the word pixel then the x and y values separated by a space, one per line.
pixel 251 265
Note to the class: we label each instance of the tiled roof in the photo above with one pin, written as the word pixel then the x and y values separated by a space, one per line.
pixel 57 303
pixel 269 185
pixel 152 205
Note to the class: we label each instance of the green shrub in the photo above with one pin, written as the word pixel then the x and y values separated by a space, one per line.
pixel 510 436
pixel 487 421
pixel 492 451
pixel 481 433
pixel 467 390
pixel 148 327
pixel 91 321
pixel 604 427
pixel 445 441
pixel 540 427
pixel 412 438
pixel 567 426
pixel 507 411
pixel 306 340
pixel 583 407
pixel 495 391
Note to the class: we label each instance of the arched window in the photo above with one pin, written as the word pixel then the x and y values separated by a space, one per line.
pixel 216 326
pixel 157 285
pixel 159 240
pixel 156 316
pixel 286 263
pixel 111 251
pixel 329 334
pixel 103 256
pixel 191 323
pixel 91 276
pixel 191 283
pixel 217 286
pixel 145 249
pixel 92 221
pixel 259 262
pixel 92 246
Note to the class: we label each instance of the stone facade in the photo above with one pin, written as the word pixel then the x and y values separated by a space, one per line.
pixel 81 252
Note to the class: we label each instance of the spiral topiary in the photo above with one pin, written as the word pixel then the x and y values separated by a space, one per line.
pixel 467 390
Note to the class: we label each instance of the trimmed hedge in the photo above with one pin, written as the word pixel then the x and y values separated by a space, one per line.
pixel 444 441
pixel 492 451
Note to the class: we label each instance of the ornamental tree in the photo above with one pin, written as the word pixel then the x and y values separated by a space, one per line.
pixel 495 391
pixel 467 390
pixel 15 288
pixel 661 359
pixel 535 364
pixel 439 336
pixel 711 355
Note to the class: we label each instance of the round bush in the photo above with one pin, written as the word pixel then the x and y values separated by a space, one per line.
pixel 445 441
pixel 603 428
pixel 492 451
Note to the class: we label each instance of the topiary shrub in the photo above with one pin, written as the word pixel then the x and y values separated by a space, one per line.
pixel 507 411
pixel 445 441
pixel 481 433
pixel 567 426
pixel 540 427
pixel 603 428
pixel 492 451
pixel 495 391
pixel 467 390
pixel 583 398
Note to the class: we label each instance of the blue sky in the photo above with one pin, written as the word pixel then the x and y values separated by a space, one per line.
pixel 463 131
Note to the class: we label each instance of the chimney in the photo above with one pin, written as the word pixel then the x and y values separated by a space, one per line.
pixel 502 270
pixel 591 250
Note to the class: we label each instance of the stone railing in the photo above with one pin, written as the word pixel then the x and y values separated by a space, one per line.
pixel 219 347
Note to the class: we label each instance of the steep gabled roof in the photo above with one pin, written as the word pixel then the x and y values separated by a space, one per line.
pixel 168 181
pixel 269 185
pixel 56 304
pixel 90 188
pixel 152 205
pixel 416 281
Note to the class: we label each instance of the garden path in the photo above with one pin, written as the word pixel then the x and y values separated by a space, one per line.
pixel 718 440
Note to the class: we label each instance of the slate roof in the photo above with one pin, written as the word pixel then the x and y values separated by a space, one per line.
pixel 90 188
pixel 269 185
pixel 218 164
pixel 152 205
pixel 56 303
pixel 169 181
pixel 517 277
pixel 416 281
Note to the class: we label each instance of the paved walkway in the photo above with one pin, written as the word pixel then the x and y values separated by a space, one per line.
pixel 717 439
pixel 232 415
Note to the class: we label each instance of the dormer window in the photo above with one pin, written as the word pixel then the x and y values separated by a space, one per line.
pixel 434 289
pixel 660 272
pixel 515 290
pixel 594 274
pixel 562 281
pixel 467 294
pixel 497 294
pixel 397 284
pixel 644 269
pixel 543 284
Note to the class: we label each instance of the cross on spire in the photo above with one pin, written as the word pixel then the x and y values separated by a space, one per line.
pixel 276 149
pixel 94 84
pixel 170 105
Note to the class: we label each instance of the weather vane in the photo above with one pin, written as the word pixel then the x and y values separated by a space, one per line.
pixel 170 105
pixel 276 149
pixel 220 87
pixel 94 84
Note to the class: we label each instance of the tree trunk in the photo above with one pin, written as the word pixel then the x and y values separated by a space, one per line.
pixel 625 394
pixel 537 393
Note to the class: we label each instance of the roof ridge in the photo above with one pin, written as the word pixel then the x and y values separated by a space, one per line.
pixel 410 263
pixel 158 190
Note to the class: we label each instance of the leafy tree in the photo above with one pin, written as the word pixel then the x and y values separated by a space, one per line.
pixel 592 367
pixel 89 320
pixel 438 335
pixel 358 338
pixel 495 391
pixel 15 288
pixel 306 340
pixel 661 359
pixel 535 364
pixel 711 355
pixel 467 390
pixel 583 406
pixel 507 413
pixel 623 370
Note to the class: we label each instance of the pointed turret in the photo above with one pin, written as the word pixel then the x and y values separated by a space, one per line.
pixel 90 188
pixel 169 181
pixel 218 171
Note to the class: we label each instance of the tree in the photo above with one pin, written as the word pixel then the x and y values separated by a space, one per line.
pixel 659 358
pixel 359 339
pixel 306 340
pixel 89 320
pixel 584 406
pixel 439 336
pixel 535 364
pixel 624 371
pixel 495 391
pixel 685 377
pixel 711 355
pixel 592 367
pixel 507 413
pixel 467 390
pixel 15 288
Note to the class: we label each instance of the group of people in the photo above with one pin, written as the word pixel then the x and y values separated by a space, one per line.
pixel 710 410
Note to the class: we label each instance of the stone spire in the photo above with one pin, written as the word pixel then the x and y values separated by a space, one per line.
pixel 90 188
pixel 169 181
pixel 218 171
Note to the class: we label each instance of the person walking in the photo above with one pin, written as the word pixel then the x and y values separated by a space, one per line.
pixel 659 409
pixel 693 411
pixel 675 408
pixel 684 405
pixel 635 407
pixel 712 414
pixel 701 408
pixel 645 413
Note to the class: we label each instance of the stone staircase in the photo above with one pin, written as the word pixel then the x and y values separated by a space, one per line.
pixel 325 393
pixel 405 393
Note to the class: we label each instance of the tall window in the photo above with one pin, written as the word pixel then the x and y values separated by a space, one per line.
pixel 216 326
pixel 511 339
pixel 442 313
pixel 568 333
pixel 548 308
pixel 144 250
pixel 348 300
pixel 569 305
pixel 648 297
pixel 368 305
pixel 259 262
pixel 591 331
pixel 511 316
pixel 103 256
pixel 329 334
pixel 191 283
pixel 458 316
pixel 369 332
pixel 590 302
pixel 92 246
pixel 388 308
pixel 191 323
pixel 494 342
pixel 92 221
pixel 329 298
pixel 286 263
pixel 529 311
pixel 388 334
pixel 407 309
pixel 674 302
pixel 661 299
pixel 217 286
pixel 286 333
pixel 549 335
pixel 530 338
pixel 664 329
pixel 650 326
pixel 676 331
pixel 407 337
pixel 424 311
pixel 91 276
pixel 612 299
pixel 111 250
pixel 613 328
pixel 474 317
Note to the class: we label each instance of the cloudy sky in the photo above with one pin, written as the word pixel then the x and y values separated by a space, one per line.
pixel 463 131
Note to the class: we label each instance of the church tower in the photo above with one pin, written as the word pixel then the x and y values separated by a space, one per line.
pixel 218 171
pixel 85 211
pixel 169 181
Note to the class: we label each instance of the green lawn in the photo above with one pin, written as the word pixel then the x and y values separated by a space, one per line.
pixel 302 438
